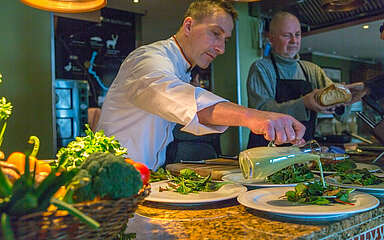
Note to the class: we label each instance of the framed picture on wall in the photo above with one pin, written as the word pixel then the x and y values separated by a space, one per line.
pixel 333 73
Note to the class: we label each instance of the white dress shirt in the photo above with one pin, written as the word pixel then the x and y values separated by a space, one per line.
pixel 151 93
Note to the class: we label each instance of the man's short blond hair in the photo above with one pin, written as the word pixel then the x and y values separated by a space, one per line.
pixel 277 18
pixel 200 9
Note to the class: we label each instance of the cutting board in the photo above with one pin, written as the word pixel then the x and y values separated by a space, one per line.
pixel 217 170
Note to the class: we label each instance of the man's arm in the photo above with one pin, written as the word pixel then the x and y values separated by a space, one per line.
pixel 278 127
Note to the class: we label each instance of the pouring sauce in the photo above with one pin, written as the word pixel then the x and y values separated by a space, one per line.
pixel 258 163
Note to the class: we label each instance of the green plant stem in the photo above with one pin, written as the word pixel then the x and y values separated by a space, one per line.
pixel 2 133
pixel 6 227
pixel 74 212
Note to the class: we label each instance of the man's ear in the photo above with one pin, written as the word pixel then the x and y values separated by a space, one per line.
pixel 187 25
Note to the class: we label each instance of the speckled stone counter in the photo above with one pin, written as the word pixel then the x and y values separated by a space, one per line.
pixel 229 220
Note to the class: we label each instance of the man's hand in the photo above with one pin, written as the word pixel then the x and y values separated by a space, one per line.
pixel 311 103
pixel 276 127
pixel 358 91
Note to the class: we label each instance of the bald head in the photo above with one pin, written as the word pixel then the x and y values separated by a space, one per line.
pixel 285 34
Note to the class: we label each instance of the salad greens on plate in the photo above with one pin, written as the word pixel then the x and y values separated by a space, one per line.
pixel 293 174
pixel 188 181
pixel 315 193
pixel 358 176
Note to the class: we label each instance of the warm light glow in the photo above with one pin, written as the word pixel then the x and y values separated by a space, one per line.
pixel 365 26
pixel 136 1
pixel 246 0
pixel 66 6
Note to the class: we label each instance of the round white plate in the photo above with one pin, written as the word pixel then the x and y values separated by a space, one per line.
pixel 238 178
pixel 369 167
pixel 376 190
pixel 269 200
pixel 228 191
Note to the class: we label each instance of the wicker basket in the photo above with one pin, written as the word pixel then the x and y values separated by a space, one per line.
pixel 112 215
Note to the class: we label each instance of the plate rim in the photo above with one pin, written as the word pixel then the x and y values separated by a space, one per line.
pixel 261 184
pixel 195 201
pixel 357 187
pixel 306 214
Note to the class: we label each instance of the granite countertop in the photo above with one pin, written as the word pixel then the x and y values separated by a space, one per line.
pixel 229 220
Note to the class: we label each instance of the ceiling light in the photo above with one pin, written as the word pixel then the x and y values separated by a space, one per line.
pixel 66 6
pixel 246 0
pixel 342 5
pixel 136 1
pixel 365 26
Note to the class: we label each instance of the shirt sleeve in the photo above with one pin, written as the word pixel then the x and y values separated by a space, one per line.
pixel 152 83
pixel 261 84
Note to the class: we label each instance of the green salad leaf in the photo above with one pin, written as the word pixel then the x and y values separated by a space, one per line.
pixel 293 174
pixel 359 176
pixel 79 149
pixel 159 175
pixel 335 165
pixel 190 182
pixel 315 193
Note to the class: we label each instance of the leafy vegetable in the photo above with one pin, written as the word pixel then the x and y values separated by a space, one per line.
pixel 159 175
pixel 359 176
pixel 5 113
pixel 77 151
pixel 335 165
pixel 28 197
pixel 293 174
pixel 190 182
pixel 105 175
pixel 315 193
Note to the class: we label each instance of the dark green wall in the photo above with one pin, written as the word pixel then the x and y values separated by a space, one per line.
pixel 25 63
pixel 230 72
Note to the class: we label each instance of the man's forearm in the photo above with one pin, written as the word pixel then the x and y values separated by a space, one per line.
pixel 224 114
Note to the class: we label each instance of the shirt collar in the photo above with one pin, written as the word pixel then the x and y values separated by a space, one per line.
pixel 188 65
pixel 285 60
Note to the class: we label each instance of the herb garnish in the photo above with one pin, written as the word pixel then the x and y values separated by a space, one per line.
pixel 315 193
pixel 293 174
pixel 190 182
pixel 335 165
pixel 159 175
pixel 78 150
pixel 359 176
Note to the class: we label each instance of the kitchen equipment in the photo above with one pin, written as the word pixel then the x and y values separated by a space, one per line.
pixel 259 162
pixel 218 161
pixel 377 128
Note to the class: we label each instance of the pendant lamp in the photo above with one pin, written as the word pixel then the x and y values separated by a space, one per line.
pixel 66 6
pixel 342 5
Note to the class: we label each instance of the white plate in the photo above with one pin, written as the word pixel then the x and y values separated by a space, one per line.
pixel 238 178
pixel 376 190
pixel 269 200
pixel 228 191
pixel 369 167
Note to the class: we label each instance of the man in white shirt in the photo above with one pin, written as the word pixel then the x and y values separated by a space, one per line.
pixel 151 92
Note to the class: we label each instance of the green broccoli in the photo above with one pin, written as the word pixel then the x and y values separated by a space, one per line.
pixel 105 175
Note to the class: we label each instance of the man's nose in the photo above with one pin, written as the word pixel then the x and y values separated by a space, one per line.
pixel 294 39
pixel 220 47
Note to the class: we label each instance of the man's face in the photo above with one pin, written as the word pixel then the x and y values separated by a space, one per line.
pixel 207 38
pixel 286 38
